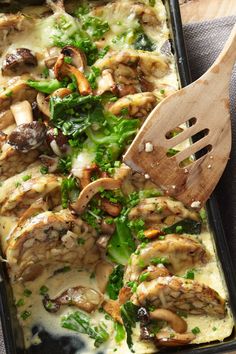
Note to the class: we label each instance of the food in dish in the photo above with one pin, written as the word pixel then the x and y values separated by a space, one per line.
pixel 93 249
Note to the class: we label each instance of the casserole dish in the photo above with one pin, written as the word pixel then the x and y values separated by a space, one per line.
pixel 71 345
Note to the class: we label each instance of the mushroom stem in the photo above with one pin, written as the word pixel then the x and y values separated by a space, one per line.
pixel 177 323
pixel 91 189
pixel 22 112
pixel 163 339
pixel 43 105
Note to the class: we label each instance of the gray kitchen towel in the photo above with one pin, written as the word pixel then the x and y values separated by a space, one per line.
pixel 204 41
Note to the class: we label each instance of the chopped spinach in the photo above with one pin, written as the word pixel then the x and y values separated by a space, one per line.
pixel 115 282
pixel 80 322
pixel 129 314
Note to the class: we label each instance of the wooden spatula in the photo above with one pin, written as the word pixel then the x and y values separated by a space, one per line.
pixel 204 105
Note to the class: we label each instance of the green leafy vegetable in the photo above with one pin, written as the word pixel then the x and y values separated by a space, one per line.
pixel 65 164
pixel 190 274
pixel 143 42
pixel 25 314
pixel 115 282
pixel 121 244
pixel 46 86
pixel 119 332
pixel 74 113
pixel 129 314
pixel 80 322
pixel 187 226
pixel 69 191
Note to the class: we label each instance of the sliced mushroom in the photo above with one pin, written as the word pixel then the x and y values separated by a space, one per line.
pixel 108 228
pixel 78 57
pixel 110 208
pixel 16 90
pixel 112 307
pixel 125 294
pixel 19 62
pixel 138 105
pixel 62 69
pixel 22 112
pixel 177 323
pixel 61 92
pixel 27 136
pixel 56 6
pixel 87 299
pixel 43 104
pixel 91 190
pixel 6 119
pixel 106 82
pixel 9 21
pixel 166 339
pixel 102 272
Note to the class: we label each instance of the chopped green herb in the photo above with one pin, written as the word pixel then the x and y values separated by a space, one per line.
pixel 196 330
pixel 179 229
pixel 44 170
pixel 27 292
pixel 214 328
pixel 92 77
pixel 162 91
pixel 80 322
pixel 115 282
pixel 159 260
pixel 188 226
pixel 25 314
pixel 18 184
pixel 43 290
pixel 94 26
pixel 65 164
pixel 143 42
pixel 81 241
pixel 20 302
pixel 26 178
pixel 133 285
pixel 69 191
pixel 189 274
pixel 9 94
pixel 68 60
pixel 103 52
pixel 144 276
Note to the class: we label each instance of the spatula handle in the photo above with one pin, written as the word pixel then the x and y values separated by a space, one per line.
pixel 227 57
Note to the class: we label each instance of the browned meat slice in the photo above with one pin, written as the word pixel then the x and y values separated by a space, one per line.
pixel 161 211
pixel 44 186
pixel 50 238
pixel 13 161
pixel 177 252
pixel 179 294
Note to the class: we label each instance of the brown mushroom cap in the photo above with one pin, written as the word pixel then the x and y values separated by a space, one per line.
pixel 164 339
pixel 19 62
pixel 87 299
pixel 27 136
pixel 78 57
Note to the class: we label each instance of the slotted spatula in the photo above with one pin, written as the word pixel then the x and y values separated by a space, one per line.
pixel 204 105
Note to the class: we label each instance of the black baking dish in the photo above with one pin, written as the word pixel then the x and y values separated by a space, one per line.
pixel 70 345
